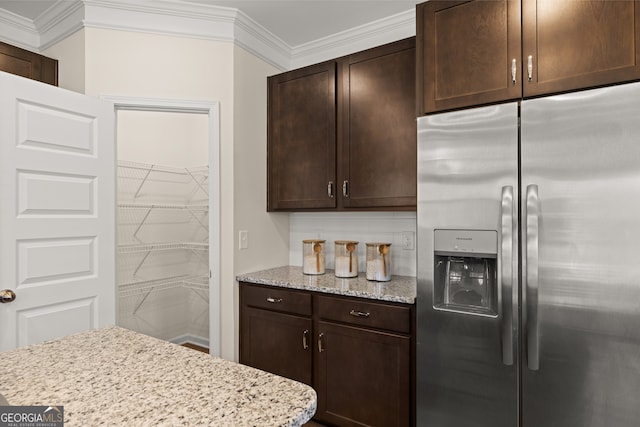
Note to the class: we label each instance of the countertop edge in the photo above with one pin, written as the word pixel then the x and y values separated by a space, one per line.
pixel 289 278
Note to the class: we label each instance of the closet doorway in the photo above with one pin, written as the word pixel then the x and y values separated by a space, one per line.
pixel 168 219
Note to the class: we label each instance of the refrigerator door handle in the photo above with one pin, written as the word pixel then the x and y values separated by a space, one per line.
pixel 505 295
pixel 531 277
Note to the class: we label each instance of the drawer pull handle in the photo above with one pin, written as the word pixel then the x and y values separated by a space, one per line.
pixel 359 313
pixel 274 300
pixel 320 339
pixel 305 345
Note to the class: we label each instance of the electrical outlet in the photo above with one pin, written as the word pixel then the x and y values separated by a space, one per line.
pixel 243 239
pixel 408 240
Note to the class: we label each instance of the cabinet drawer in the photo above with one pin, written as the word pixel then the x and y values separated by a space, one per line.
pixel 276 299
pixel 364 313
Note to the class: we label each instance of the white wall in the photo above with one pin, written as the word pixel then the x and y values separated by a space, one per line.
pixel 164 138
pixel 134 64
pixel 365 227
pixel 70 54
pixel 268 233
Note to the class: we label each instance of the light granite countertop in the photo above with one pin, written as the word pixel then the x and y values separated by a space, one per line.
pixel 116 377
pixel 399 289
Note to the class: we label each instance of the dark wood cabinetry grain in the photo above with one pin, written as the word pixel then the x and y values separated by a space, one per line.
pixel 579 44
pixel 363 362
pixel 28 64
pixel 274 343
pixel 356 353
pixel 301 138
pixel 362 376
pixel 554 45
pixel 341 134
pixel 465 51
pixel 273 339
pixel 378 144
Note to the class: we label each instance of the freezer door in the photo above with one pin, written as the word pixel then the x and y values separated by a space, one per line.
pixel 468 181
pixel 580 173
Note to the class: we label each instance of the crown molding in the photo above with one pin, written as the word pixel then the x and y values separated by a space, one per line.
pixel 58 22
pixel 18 31
pixel 386 30
pixel 166 17
pixel 195 20
pixel 265 45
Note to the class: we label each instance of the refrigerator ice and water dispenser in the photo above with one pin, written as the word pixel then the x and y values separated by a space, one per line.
pixel 465 271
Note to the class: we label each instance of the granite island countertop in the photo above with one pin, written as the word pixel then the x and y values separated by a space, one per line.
pixel 114 376
pixel 400 289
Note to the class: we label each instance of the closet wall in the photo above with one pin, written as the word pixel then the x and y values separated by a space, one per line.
pixel 163 233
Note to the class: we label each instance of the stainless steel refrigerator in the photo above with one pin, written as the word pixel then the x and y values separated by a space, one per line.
pixel 528 303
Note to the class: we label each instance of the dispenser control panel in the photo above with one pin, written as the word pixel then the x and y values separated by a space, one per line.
pixel 480 242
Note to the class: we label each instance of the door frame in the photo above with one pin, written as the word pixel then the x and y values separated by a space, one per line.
pixel 212 109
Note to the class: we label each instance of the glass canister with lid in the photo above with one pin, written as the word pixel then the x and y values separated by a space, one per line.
pixel 313 256
pixel 346 257
pixel 379 262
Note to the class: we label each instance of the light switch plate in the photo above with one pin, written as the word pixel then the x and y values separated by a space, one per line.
pixel 243 239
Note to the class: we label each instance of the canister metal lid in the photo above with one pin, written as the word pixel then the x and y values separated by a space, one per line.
pixel 378 244
pixel 313 241
pixel 346 242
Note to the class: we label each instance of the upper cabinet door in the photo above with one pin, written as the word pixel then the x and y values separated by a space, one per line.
pixel 579 44
pixel 28 64
pixel 378 145
pixel 466 53
pixel 301 139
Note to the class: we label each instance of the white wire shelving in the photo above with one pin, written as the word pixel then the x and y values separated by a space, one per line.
pixel 198 284
pixel 162 201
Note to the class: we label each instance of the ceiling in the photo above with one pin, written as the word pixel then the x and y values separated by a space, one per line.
pixel 295 22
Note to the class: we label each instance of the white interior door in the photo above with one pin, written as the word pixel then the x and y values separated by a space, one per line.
pixel 57 212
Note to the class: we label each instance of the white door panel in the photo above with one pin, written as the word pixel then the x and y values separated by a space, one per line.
pixel 57 213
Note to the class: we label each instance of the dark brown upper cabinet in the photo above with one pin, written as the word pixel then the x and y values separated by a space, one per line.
pixel 465 51
pixel 301 138
pixel 28 64
pixel 341 134
pixel 378 143
pixel 478 52
pixel 579 44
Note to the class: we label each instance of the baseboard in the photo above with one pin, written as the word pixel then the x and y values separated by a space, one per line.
pixel 187 338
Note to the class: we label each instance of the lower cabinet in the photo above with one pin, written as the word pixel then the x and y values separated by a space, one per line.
pixel 356 353
pixel 276 343
pixel 276 331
